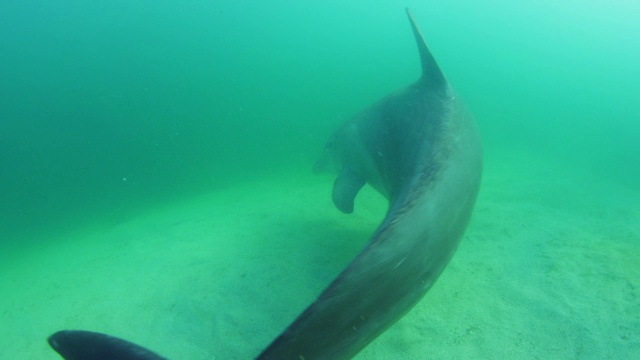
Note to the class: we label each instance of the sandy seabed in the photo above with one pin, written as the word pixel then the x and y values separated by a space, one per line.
pixel 548 269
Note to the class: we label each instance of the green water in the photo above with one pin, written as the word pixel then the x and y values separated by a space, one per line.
pixel 111 109
pixel 181 98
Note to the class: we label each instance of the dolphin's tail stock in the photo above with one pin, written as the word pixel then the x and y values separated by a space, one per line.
pixel 87 345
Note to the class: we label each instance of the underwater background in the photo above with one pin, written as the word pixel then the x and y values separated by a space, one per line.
pixel 165 149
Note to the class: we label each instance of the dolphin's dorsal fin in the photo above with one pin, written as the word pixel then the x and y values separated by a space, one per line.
pixel 431 74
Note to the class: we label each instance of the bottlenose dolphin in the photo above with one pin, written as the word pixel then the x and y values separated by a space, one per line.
pixel 420 149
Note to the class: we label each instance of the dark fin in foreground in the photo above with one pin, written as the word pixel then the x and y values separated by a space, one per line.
pixel 87 345
pixel 431 73
pixel 345 189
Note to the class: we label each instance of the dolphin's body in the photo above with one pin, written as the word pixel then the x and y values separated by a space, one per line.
pixel 420 149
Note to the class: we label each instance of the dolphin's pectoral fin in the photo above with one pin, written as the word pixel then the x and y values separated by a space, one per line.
pixel 88 345
pixel 345 189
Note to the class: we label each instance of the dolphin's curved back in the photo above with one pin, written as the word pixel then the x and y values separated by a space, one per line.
pixel 419 148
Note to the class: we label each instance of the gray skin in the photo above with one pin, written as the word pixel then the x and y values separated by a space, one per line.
pixel 420 149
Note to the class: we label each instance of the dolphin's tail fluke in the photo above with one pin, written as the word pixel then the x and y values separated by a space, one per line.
pixel 87 345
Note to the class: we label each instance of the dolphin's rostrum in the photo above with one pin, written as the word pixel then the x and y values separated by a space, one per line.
pixel 420 149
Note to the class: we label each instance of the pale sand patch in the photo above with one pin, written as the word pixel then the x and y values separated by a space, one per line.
pixel 214 277
pixel 548 269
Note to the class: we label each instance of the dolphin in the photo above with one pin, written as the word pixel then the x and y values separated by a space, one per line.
pixel 419 148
